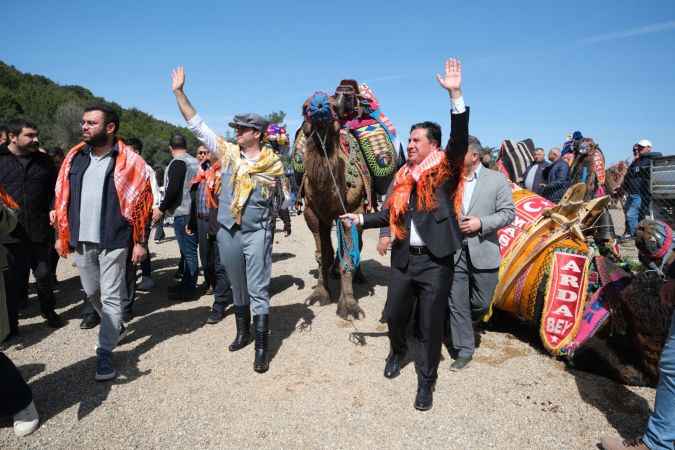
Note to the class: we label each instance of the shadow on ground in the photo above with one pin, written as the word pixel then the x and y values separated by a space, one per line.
pixel 74 384
pixel 284 321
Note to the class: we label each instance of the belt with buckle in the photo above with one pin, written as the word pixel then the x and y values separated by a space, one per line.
pixel 419 250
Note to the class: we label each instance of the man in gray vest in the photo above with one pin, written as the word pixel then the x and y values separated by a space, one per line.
pixel 177 202
pixel 249 174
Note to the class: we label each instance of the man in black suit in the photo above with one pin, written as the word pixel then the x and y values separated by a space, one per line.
pixel 421 214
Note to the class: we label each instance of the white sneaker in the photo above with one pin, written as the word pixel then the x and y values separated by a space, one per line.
pixel 146 284
pixel 26 421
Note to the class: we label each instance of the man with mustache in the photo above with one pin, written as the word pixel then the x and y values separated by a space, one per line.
pixel 102 208
pixel 421 211
pixel 28 176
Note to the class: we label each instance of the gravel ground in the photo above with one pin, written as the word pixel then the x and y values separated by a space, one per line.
pixel 179 387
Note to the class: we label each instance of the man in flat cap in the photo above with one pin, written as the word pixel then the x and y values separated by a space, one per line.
pixel 249 174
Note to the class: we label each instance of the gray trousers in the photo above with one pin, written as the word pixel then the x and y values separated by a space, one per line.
pixel 247 258
pixel 103 277
pixel 470 297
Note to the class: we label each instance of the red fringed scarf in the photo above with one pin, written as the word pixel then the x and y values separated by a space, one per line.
pixel 134 192
pixel 427 176
pixel 213 185
pixel 7 199
pixel 201 176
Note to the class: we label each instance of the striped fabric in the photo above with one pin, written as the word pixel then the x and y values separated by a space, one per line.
pixel 514 159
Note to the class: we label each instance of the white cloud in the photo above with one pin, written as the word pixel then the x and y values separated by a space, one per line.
pixel 647 29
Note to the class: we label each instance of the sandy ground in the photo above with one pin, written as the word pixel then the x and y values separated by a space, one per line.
pixel 179 387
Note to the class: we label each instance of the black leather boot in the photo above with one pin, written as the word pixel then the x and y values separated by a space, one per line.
pixel 261 325
pixel 242 316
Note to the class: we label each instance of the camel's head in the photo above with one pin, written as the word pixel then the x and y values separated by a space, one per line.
pixel 346 100
pixel 319 113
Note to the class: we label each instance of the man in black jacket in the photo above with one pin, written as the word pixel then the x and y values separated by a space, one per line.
pixel 29 177
pixel 636 186
pixel 420 209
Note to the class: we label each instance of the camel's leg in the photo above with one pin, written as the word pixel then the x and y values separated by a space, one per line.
pixel 347 305
pixel 320 293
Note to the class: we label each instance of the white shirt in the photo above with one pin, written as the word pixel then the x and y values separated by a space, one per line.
pixel 156 195
pixel 469 186
pixel 458 107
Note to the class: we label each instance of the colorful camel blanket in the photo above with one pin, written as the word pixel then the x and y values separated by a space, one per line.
pixel 134 192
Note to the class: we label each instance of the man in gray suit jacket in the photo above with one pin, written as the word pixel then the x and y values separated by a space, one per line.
pixel 487 206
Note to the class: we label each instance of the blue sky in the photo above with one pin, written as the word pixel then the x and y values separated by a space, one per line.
pixel 538 69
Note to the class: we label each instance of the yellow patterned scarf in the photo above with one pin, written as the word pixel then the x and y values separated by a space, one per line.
pixel 245 176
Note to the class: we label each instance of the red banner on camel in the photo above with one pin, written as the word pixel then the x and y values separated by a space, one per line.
pixel 529 207
pixel 564 301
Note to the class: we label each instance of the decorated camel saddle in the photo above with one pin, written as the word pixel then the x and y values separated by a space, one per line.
pixel 364 127
pixel 556 278
pixel 545 271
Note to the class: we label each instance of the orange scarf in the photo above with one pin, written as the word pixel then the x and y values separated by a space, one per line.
pixel 7 199
pixel 132 183
pixel 213 185
pixel 426 176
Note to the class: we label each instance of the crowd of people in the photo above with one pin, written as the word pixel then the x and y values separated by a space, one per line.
pixel 551 178
pixel 101 200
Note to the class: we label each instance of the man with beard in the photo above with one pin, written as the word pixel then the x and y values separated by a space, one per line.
pixel 28 176
pixel 102 208
pixel 421 211
pixel 249 173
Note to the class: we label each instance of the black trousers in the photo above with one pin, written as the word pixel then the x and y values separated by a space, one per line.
pixel 22 258
pixel 14 392
pixel 222 291
pixel 428 279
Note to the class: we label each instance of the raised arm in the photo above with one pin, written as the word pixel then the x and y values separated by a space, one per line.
pixel 195 123
pixel 451 81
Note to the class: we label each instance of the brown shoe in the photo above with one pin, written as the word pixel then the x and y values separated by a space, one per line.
pixel 619 444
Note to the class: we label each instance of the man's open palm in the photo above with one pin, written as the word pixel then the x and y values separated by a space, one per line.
pixel 177 78
pixel 453 75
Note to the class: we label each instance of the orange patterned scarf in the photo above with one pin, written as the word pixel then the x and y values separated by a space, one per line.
pixel 7 199
pixel 426 176
pixel 213 185
pixel 132 183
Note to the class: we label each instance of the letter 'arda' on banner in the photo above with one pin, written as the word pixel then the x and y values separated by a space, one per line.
pixel 564 301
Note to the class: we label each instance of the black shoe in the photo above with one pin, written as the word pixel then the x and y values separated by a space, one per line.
pixel 243 320
pixel 90 321
pixel 460 363
pixel 12 336
pixel 53 319
pixel 215 316
pixel 127 315
pixel 425 395
pixel 392 368
pixel 177 275
pixel 261 326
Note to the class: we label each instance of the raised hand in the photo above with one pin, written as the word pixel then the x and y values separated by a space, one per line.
pixel 177 79
pixel 452 80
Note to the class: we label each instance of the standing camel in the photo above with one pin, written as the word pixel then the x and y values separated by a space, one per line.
pixel 329 188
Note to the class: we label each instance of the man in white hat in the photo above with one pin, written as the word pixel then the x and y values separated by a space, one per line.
pixel 636 186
